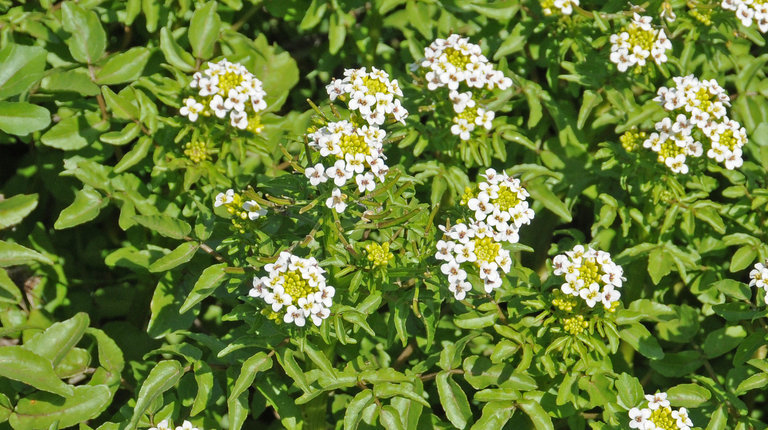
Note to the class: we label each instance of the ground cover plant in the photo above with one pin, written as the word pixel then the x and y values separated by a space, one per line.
pixel 390 214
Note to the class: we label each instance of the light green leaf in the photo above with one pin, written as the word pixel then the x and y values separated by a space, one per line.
pixel 389 418
pixel 495 416
pixel 259 362
pixel 688 395
pixel 76 80
pixel 164 225
pixel 88 39
pixel 174 54
pixel 25 366
pixel 22 67
pixel 337 32
pixel 453 400
pixel 124 67
pixel 122 137
pixel 205 286
pixel 204 379
pixel 22 118
pixel 43 410
pixel 161 378
pixel 742 258
pixel 204 30
pixel 68 134
pixel 542 194
pixel 135 155
pixel 14 209
pixel 355 409
pixel 178 256
pixel 642 341
pixel 54 343
pixel 12 254
pixel 719 419
pixel 630 391
pixel 659 264
pixel 537 414
pixel 87 205
pixel 754 382
pixel 9 292
pixel 722 340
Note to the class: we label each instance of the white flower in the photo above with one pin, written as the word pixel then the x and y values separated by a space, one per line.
pixel 191 109
pixel 186 425
pixel 294 315
pixel 658 400
pixel 162 425
pixel 316 174
pixel 224 198
pixel 460 289
pixel 683 421
pixel 336 201
pixel 639 418
pixel 366 182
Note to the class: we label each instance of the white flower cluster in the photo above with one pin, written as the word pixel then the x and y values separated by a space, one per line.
pixel 372 94
pixel 637 42
pixel 758 277
pixel 165 425
pixel 227 89
pixel 591 275
pixel 453 61
pixel 700 115
pixel 350 151
pixel 295 286
pixel 658 415
pixel 500 210
pixel 748 10
pixel 564 6
pixel 236 205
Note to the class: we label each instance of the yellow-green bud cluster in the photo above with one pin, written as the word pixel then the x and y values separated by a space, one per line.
pixel 575 325
pixel 632 139
pixel 379 254
pixel 241 210
pixel 197 151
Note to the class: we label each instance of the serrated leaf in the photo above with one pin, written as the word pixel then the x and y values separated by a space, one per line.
pixel 205 286
pixel 14 209
pixel 44 410
pixel 25 366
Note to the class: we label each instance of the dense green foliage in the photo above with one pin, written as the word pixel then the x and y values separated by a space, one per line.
pixel 124 293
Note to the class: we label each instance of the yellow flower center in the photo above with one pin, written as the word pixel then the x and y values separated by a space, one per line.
pixel 575 325
pixel 669 149
pixel 197 151
pixel 353 144
pixel 590 271
pixel 469 114
pixel 228 81
pixel 507 198
pixel 486 250
pixel 254 124
pixel 456 58
pixel 374 86
pixel 296 286
pixel 379 254
pixel 662 417
pixel 728 139
pixel 640 37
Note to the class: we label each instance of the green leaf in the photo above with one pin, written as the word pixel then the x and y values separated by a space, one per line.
pixel 178 256
pixel 337 32
pixel 495 416
pixel 678 364
pixel 122 137
pixel 642 341
pixel 355 409
pixel 68 134
pixel 110 355
pixel 135 155
pixel 542 194
pixel 76 80
pixel 754 382
pixel 25 366
pixel 14 209
pixel 56 341
pixel 537 414
pixel 205 286
pixel 9 292
pixel 204 30
pixel 161 378
pixel 204 379
pixel 742 258
pixel 630 391
pixel 389 418
pixel 87 205
pixel 659 264
pixel 124 67
pixel 43 410
pixel 386 390
pixel 719 419
pixel 711 217
pixel 259 362
pixel 73 364
pixel 453 400
pixel 688 395
pixel 165 225
pixel 12 254
pixel 722 340
pixel 591 101
pixel 22 67
pixel 735 289
pixel 88 39
pixel 123 105
pixel 22 118
pixel 175 55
